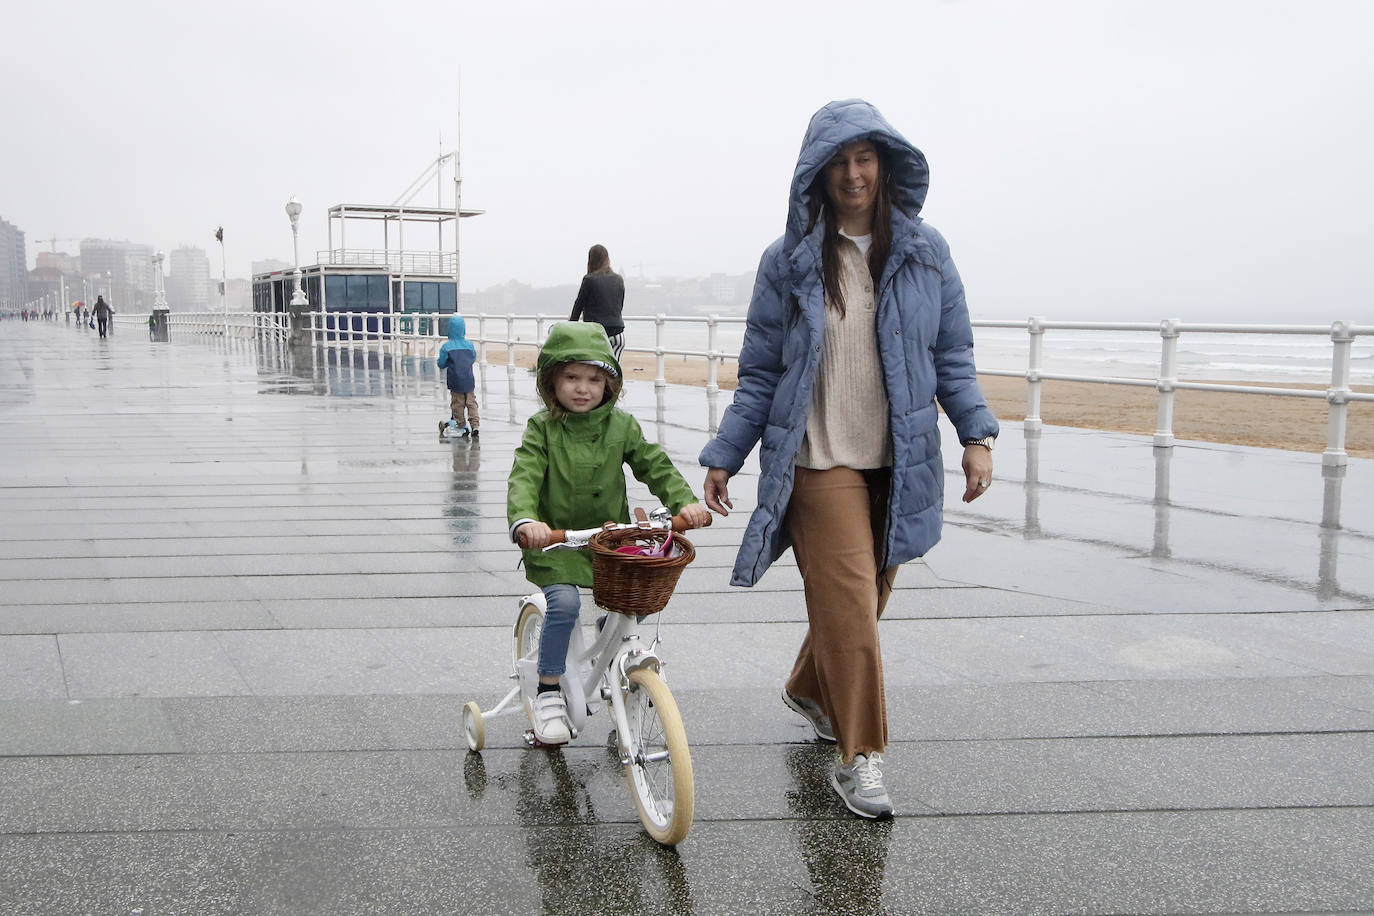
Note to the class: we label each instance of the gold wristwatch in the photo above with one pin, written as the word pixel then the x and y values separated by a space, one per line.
pixel 985 442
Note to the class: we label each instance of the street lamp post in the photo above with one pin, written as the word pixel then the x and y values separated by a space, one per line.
pixel 158 326
pixel 299 303
pixel 159 290
pixel 223 283
pixel 293 212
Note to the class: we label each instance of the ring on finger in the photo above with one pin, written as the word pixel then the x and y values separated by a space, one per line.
pixel 983 484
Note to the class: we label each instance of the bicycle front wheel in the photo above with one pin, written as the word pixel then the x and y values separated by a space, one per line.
pixel 529 626
pixel 659 772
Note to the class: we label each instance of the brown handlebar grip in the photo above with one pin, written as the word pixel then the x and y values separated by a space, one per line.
pixel 557 536
pixel 680 524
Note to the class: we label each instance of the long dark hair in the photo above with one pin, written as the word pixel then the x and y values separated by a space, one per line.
pixel 598 259
pixel 818 206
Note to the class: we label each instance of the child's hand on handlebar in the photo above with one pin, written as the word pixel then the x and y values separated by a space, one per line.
pixel 534 535
pixel 695 515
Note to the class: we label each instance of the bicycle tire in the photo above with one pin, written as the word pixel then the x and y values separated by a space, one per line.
pixel 529 625
pixel 659 774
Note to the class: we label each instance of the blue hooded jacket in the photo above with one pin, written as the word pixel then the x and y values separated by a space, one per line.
pixel 457 356
pixel 925 347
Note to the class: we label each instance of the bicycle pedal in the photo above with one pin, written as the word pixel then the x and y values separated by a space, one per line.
pixel 532 741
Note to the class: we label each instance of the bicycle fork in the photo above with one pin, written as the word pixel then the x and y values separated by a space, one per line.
pixel 616 685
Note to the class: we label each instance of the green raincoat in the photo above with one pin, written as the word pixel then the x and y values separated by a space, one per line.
pixel 569 473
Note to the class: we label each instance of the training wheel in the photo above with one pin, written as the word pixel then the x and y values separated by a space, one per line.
pixel 473 726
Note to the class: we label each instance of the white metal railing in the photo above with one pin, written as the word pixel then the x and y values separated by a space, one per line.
pixel 422 263
pixel 424 328
pixel 706 338
pixel 1338 395
pixel 234 325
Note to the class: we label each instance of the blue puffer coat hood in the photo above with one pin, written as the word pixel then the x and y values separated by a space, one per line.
pixel 925 352
pixel 834 126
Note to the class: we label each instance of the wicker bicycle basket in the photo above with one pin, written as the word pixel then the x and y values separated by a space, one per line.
pixel 630 584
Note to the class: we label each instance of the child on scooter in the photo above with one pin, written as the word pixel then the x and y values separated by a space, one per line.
pixel 569 473
pixel 456 357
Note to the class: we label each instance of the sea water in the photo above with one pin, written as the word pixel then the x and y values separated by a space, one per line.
pixel 1201 356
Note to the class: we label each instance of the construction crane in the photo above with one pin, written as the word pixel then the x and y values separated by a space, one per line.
pixel 53 240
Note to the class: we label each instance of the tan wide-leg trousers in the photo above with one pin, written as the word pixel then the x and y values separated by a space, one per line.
pixel 831 520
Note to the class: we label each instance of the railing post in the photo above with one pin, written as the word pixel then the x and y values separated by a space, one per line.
pixel 1338 395
pixel 510 345
pixel 660 382
pixel 482 338
pixel 712 374
pixel 1168 375
pixel 1036 328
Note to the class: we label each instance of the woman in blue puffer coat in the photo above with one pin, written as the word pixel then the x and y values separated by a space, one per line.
pixel 857 328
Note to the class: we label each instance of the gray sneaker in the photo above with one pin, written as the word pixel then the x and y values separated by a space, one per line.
pixel 811 711
pixel 860 785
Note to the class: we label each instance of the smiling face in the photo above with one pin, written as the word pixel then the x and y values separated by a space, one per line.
pixel 579 387
pixel 851 183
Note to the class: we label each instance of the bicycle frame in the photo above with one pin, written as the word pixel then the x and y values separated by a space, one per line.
pixel 616 651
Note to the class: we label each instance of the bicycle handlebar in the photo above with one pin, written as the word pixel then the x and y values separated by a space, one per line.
pixel 565 537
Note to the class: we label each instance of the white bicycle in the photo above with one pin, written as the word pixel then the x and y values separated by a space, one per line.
pixel 631 582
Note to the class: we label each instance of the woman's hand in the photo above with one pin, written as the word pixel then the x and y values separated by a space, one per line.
pixel 977 465
pixel 534 535
pixel 695 515
pixel 717 492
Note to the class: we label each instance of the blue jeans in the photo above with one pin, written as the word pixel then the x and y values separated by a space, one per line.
pixel 563 602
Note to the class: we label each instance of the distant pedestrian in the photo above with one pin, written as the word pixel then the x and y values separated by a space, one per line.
pixel 102 314
pixel 456 357
pixel 601 298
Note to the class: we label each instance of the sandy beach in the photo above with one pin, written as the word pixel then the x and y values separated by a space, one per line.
pixel 1293 424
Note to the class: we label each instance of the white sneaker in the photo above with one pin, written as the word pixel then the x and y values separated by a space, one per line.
pixel 549 716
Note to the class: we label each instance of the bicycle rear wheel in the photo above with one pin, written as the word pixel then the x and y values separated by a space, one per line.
pixel 659 773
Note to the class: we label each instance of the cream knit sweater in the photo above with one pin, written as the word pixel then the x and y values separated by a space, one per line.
pixel 846 424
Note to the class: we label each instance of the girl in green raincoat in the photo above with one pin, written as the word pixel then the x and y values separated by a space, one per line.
pixel 569 472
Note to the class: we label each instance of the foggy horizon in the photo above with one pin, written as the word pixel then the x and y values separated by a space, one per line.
pixel 1089 161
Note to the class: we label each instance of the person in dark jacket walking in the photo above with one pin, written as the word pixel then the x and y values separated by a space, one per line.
pixel 456 357
pixel 856 328
pixel 601 298
pixel 102 314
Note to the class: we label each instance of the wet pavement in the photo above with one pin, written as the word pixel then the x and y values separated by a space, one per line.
pixel 244 595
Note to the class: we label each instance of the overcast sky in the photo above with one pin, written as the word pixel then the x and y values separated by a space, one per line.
pixel 1091 159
